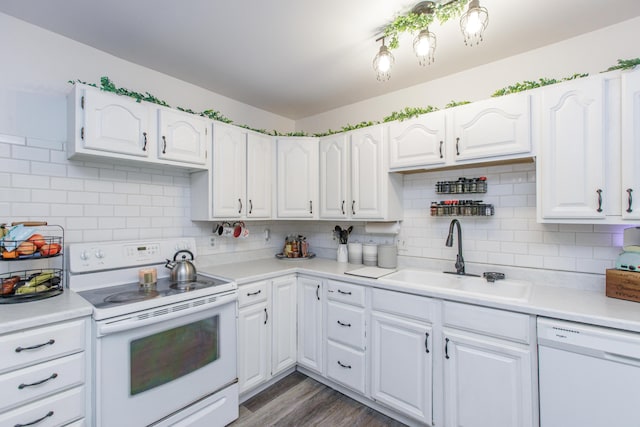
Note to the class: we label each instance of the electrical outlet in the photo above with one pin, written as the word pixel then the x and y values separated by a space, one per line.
pixel 212 241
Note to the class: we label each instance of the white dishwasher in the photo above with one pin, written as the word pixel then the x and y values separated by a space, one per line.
pixel 589 376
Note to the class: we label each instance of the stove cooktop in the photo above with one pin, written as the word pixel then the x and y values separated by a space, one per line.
pixel 130 293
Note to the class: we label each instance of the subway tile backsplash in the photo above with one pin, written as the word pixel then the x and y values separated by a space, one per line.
pixel 97 201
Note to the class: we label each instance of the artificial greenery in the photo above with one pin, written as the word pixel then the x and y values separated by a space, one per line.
pixel 625 64
pixel 451 9
pixel 408 113
pixel 415 22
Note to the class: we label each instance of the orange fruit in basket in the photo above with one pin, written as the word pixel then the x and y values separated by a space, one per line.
pixel 37 239
pixel 50 250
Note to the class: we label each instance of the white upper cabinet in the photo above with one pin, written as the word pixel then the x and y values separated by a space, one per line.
pixel 260 149
pixel 183 137
pixel 573 154
pixel 105 125
pixel 229 171
pixel 108 124
pixel 491 128
pixel 297 178
pixel 334 177
pixel 631 146
pixel 354 182
pixel 419 141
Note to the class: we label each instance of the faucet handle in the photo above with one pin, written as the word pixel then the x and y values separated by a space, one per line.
pixel 492 276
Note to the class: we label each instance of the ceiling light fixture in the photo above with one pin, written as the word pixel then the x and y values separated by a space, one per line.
pixel 473 23
pixel 383 62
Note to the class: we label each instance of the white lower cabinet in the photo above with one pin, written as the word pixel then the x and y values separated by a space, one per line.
pixel 266 330
pixel 310 323
pixel 402 353
pixel 488 372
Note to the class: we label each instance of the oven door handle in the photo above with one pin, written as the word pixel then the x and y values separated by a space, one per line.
pixel 148 317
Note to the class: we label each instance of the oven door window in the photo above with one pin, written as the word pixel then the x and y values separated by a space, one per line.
pixel 165 356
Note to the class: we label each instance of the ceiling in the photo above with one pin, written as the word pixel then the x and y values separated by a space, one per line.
pixel 297 58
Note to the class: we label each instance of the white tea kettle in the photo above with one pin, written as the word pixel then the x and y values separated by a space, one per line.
pixel 182 270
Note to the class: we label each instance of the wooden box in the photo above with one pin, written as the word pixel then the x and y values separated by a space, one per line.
pixel 623 284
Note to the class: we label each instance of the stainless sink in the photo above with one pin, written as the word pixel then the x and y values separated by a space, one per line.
pixel 513 290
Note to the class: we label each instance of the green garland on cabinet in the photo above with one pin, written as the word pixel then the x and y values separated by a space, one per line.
pixel 407 113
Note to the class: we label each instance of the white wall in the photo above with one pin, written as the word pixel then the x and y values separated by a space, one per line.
pixel 589 53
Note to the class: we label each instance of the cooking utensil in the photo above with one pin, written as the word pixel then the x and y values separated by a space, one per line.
pixel 182 270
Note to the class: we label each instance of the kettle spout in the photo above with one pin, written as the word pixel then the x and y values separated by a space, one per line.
pixel 170 264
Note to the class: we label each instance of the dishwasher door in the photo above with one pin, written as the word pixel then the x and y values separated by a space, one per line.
pixel 589 376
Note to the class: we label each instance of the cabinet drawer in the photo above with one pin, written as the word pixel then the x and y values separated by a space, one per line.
pixel 31 383
pixel 57 410
pixel 345 324
pixel 405 305
pixel 489 321
pixel 345 292
pixel 36 345
pixel 252 293
pixel 346 366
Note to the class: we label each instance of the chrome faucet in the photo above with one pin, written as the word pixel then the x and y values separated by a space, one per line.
pixel 449 243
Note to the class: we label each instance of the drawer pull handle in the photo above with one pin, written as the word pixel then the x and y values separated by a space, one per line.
pixel 318 292
pixel 353 207
pixel 311 207
pixel 250 206
pixel 343 212
pixel 34 347
pixel 240 206
pixel 441 143
pixel 266 316
pixel 630 198
pixel 340 291
pixel 23 385
pixel 426 341
pixel 457 146
pixel 343 365
pixel 164 145
pixel 348 325
pixel 144 147
pixel 599 191
pixel 446 348
pixel 49 414
pixel 250 294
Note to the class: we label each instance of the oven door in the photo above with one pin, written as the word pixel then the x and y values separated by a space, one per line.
pixel 175 357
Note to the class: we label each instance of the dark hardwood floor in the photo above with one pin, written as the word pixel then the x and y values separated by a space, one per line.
pixel 298 400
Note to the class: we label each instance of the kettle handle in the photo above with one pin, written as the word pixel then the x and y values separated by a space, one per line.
pixel 186 251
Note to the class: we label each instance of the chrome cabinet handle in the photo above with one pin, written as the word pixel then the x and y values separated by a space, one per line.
pixel 144 147
pixel 340 291
pixel 457 146
pixel 446 348
pixel 426 342
pixel 52 377
pixel 34 347
pixel 348 325
pixel 630 198
pixel 164 145
pixel 49 414
pixel 599 191
pixel 239 205
pixel 266 316
pixel 318 292
pixel 353 207
pixel 342 207
pixel 441 143
pixel 343 365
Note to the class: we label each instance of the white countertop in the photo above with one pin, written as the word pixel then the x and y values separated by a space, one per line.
pixel 66 306
pixel 551 301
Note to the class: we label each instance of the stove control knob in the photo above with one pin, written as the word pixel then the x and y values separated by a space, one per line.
pixel 99 254
pixel 84 255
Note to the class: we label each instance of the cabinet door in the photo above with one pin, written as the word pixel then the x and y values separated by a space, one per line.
pixel 182 137
pixel 253 346
pixel 401 365
pixel 310 323
pixel 334 177
pixel 229 171
pixel 115 124
pixel 631 145
pixel 487 383
pixel 571 156
pixel 259 175
pixel 368 172
pixel 297 178
pixel 417 142
pixel 495 127
pixel 283 327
